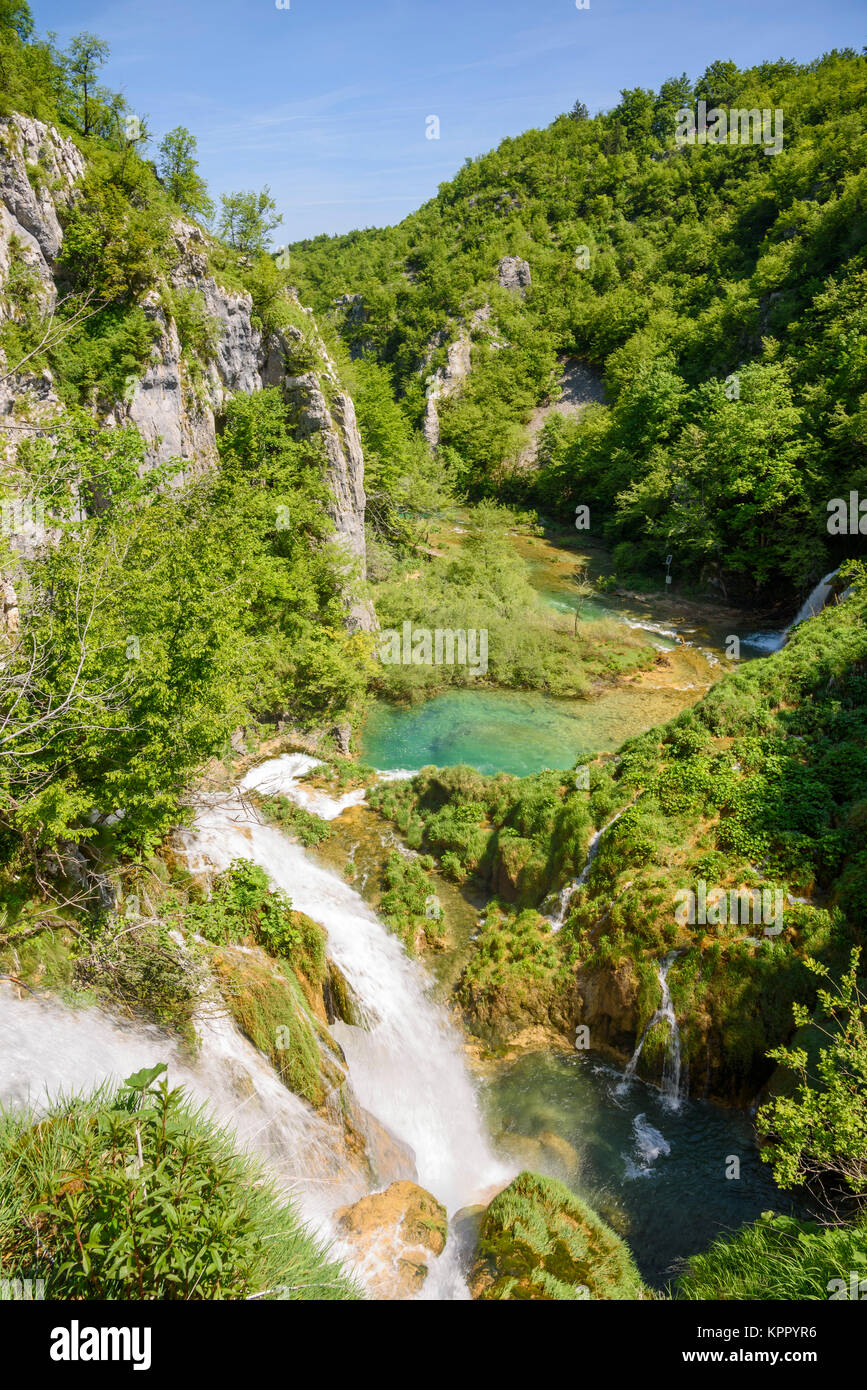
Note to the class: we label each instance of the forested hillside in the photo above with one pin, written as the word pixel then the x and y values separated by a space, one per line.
pixel 670 270
pixel 157 381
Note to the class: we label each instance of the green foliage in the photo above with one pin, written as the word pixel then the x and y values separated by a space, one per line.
pixel 295 820
pixel 178 168
pixel 114 246
pixel 820 1134
pixel 483 587
pixel 243 907
pixel 153 654
pixel 247 220
pixel 135 1195
pixel 409 905
pixel 517 976
pixel 777 1258
pixel 705 263
pixel 87 55
pixel 198 330
pixel 269 1006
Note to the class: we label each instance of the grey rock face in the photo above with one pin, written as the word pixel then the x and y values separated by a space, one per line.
pixel 171 418
pixel 513 273
pixel 175 414
pixel 338 428
pixel 353 307
pixel 26 141
pixel 447 380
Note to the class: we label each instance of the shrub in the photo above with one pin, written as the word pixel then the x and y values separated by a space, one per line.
pixel 136 1195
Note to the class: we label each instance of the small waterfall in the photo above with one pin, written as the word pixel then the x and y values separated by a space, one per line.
pixel 559 915
pixel 813 604
pixel 671 1065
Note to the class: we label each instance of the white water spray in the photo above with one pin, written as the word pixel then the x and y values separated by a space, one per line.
pixel 408 1069
pixel 671 1065
pixel 49 1051
pixel 559 915
pixel 814 603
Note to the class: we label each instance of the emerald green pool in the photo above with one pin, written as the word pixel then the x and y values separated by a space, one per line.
pixel 510 731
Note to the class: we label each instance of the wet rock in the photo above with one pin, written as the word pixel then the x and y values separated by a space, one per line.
pixel 390 1159
pixel 394 1235
pixel 607 1002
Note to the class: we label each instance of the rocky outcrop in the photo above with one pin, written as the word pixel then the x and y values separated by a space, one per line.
pixel 164 408
pixel 514 274
pixel 174 403
pixel 174 415
pixel 538 1241
pixel 392 1237
pixel 38 170
pixel 446 380
pixel 606 1001
pixel 580 385
pixel 323 407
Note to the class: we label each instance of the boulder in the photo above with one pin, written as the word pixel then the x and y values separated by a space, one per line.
pixel 392 1236
pixel 538 1241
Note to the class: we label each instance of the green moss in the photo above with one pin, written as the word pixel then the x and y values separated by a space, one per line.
pixel 539 1241
pixel 518 975
pixel 271 1010
pixel 409 905
pixel 295 820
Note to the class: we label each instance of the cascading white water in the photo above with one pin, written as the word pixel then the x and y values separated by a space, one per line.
pixel 813 604
pixel 49 1050
pixel 671 1064
pixel 559 916
pixel 408 1069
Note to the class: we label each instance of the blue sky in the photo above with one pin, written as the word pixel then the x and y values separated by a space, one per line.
pixel 327 100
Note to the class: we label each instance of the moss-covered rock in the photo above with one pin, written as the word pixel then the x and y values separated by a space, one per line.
pixel 539 1241
pixel 270 1008
pixel 518 977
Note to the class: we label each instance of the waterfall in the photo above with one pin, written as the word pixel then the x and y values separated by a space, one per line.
pixel 671 1065
pixel 408 1069
pixel 559 915
pixel 51 1050
pixel 813 604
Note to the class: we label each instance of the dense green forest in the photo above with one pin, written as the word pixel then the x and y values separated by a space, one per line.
pixel 671 270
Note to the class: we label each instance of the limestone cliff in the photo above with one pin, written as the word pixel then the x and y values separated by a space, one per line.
pixel 175 413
